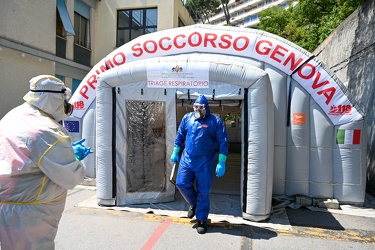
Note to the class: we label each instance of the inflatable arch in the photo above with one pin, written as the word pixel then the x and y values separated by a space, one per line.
pixel 299 131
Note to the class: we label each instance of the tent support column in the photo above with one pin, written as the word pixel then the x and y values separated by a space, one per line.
pixel 114 180
pixel 245 148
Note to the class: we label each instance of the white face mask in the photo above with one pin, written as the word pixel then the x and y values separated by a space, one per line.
pixel 199 110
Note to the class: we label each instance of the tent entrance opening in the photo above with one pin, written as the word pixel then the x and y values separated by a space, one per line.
pixel 230 112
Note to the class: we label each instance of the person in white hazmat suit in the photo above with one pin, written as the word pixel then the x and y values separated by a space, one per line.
pixel 38 164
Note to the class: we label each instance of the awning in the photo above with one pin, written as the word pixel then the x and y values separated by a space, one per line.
pixel 65 17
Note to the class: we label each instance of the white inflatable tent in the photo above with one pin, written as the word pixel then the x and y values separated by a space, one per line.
pixel 300 132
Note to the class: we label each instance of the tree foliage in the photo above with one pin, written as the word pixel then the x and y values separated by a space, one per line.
pixel 309 22
pixel 200 10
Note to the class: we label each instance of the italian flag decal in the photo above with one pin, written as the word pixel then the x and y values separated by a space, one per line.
pixel 348 136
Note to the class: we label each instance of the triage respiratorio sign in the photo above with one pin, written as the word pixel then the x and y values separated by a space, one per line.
pixel 182 75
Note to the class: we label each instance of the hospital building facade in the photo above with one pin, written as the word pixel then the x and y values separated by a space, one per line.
pixel 65 38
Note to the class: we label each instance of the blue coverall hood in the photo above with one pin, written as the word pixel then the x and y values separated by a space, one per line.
pixel 203 100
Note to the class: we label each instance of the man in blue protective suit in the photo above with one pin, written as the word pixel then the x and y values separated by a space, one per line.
pixel 203 133
pixel 38 164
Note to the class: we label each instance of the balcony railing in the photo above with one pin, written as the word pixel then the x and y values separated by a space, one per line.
pixel 248 6
pixel 238 19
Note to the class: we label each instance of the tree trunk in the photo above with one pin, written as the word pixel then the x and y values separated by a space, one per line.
pixel 224 3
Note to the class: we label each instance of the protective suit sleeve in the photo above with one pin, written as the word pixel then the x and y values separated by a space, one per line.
pixel 222 137
pixel 60 165
pixel 181 133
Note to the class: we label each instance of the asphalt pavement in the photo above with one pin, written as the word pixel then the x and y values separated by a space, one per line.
pixel 84 227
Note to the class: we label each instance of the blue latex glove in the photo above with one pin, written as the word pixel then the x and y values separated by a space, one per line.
pixel 80 150
pixel 174 157
pixel 220 169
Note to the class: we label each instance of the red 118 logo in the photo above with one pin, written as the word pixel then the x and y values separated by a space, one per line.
pixel 340 109
pixel 79 105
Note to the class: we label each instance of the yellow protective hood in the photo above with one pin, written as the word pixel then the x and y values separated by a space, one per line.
pixel 50 103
